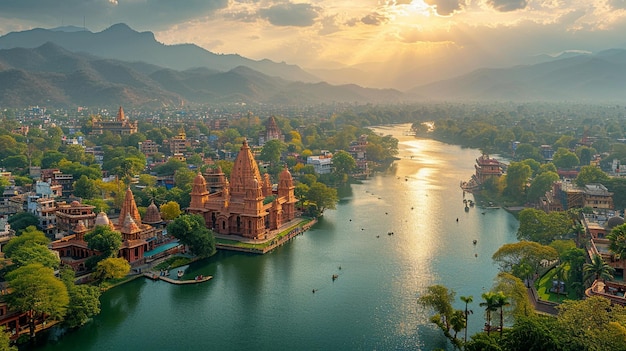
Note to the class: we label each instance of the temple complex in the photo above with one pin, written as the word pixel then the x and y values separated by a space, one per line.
pixel 137 237
pixel 121 125
pixel 246 205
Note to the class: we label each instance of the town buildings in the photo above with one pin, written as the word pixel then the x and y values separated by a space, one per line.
pixel 246 205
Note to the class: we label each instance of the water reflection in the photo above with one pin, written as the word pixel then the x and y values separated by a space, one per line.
pixel 266 302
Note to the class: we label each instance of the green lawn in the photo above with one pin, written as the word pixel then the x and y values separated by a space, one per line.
pixel 543 286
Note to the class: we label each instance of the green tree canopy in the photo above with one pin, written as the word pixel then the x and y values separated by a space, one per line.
pixel 111 268
pixel 510 257
pixel 170 210
pixel 36 290
pixel 190 230
pixel 563 158
pixel 323 196
pixel 540 185
pixel 31 252
pixel 104 240
pixel 84 300
pixel 272 150
pixel 23 220
pixel 516 178
pixel 28 236
pixel 536 225
pixel 343 163
pixel 86 188
pixel 589 175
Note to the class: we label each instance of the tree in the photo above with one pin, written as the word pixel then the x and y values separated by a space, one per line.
pixel 516 178
pixel 590 175
pixel 111 268
pixel 104 240
pixel 31 252
pixel 467 300
pixel 597 269
pixel 170 210
pixel 591 324
pixel 511 256
pixel 536 225
pixel 440 299
pixel 323 196
pixel 38 292
pixel 531 333
pixel 272 150
pixel 86 188
pixel 501 301
pixel 563 158
pixel 5 342
pixel 84 300
pixel 490 305
pixel 343 163
pixel 617 241
pixel 30 235
pixel 191 230
pixel 23 220
pixel 540 185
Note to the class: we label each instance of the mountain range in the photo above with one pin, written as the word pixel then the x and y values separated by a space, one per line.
pixel 73 66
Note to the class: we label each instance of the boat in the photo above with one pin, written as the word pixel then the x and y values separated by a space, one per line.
pixel 180 274
pixel 335 276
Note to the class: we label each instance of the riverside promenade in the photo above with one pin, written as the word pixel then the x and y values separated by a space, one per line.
pixel 274 239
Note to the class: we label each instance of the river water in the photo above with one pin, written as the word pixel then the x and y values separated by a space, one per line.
pixel 267 302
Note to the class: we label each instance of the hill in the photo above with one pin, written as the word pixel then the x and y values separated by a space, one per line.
pixel 584 77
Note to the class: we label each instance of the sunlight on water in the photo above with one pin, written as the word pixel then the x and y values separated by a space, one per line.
pixel 390 237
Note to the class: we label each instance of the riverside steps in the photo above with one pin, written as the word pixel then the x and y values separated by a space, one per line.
pixel 275 238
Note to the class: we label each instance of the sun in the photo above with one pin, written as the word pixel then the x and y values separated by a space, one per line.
pixel 418 7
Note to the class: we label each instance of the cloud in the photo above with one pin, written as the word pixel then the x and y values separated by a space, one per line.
pixel 507 5
pixel 288 14
pixel 617 4
pixel 143 13
pixel 374 19
pixel 446 7
pixel 329 25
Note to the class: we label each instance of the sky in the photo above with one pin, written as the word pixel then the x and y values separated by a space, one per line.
pixel 396 43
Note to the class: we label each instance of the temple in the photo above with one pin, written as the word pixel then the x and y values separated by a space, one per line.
pixel 486 168
pixel 121 125
pixel 246 205
pixel 272 132
pixel 137 237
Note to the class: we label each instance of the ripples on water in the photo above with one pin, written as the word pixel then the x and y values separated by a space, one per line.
pixel 266 302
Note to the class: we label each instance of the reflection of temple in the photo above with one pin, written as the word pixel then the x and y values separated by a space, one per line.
pixel 137 237
pixel 245 206
pixel 121 125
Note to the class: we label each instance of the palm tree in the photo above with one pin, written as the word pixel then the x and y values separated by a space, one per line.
pixel 598 269
pixel 467 300
pixel 490 306
pixel 617 244
pixel 579 230
pixel 501 300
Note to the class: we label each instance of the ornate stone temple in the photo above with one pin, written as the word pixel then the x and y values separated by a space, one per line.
pixel 121 125
pixel 137 237
pixel 246 205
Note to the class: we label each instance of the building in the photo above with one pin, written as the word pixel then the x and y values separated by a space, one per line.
pixel 148 147
pixel 323 164
pixel 6 233
pixel 595 196
pixel 246 205
pixel 487 168
pixel 121 125
pixel 179 143
pixel 57 179
pixel 271 132
pixel 68 216
pixel 358 151
pixel 42 204
pixel 137 237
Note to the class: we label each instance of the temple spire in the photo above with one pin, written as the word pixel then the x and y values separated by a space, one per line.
pixel 129 207
pixel 120 115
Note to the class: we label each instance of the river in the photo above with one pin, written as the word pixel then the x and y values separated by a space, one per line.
pixel 267 302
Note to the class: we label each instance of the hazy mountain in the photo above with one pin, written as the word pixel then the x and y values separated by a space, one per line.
pixel 53 75
pixel 123 43
pixel 598 77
